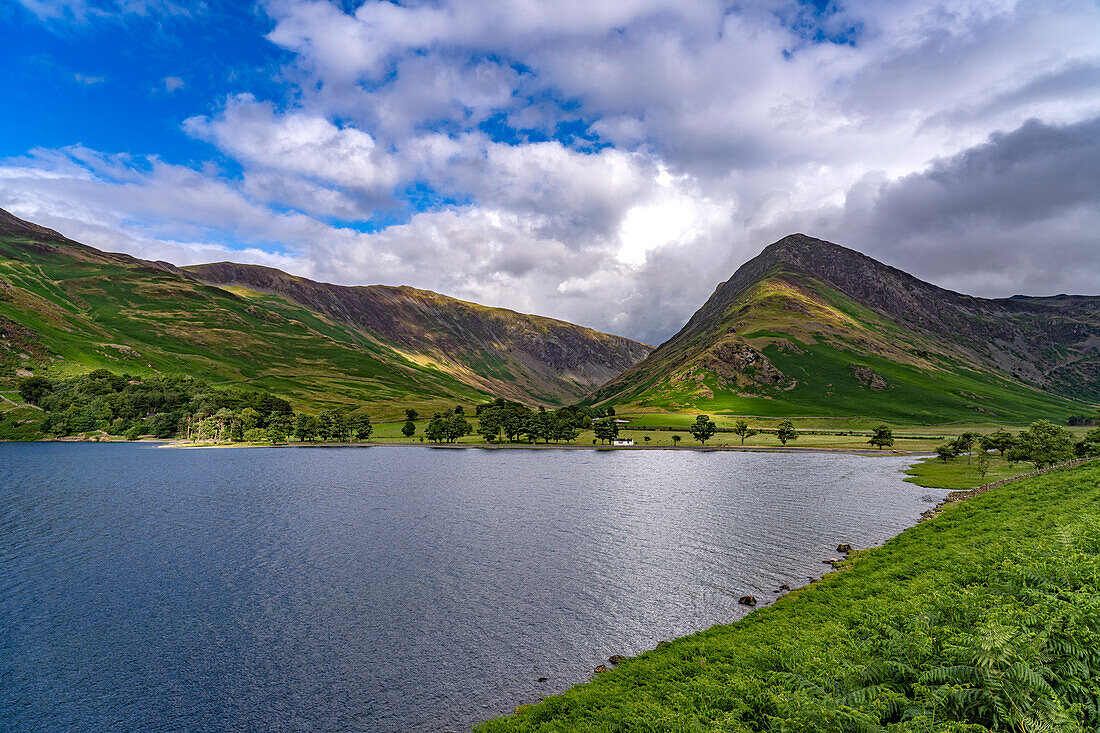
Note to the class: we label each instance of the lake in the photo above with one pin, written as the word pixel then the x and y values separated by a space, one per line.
pixel 388 588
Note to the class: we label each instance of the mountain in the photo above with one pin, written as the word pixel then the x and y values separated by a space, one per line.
pixel 812 328
pixel 530 358
pixel 67 307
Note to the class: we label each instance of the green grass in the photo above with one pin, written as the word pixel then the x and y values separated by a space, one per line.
pixel 958 474
pixel 1009 580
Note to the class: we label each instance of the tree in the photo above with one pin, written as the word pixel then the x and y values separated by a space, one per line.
pixel 981 462
pixel 33 389
pixel 223 417
pixel 966 443
pixel 278 426
pixel 276 433
pixel 208 429
pixel 306 428
pixel 455 427
pixel 742 430
pixel 489 423
pixel 1089 445
pixel 564 429
pixel 947 451
pixel 703 429
pixel 676 439
pixel 786 432
pixel 542 425
pixel 436 431
pixel 250 419
pixel 332 425
pixel 883 437
pixel 411 414
pixel 513 422
pixel 255 435
pixel 1044 444
pixel 361 426
pixel 605 429
pixel 1000 441
pixel 408 429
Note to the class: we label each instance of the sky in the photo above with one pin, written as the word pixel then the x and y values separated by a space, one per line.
pixel 607 162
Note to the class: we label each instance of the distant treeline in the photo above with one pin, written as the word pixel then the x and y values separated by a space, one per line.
pixel 160 407
pixel 102 402
pixel 502 420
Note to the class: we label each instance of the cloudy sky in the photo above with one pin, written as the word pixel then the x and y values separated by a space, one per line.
pixel 603 161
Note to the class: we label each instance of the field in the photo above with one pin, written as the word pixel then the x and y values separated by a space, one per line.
pixel 815 433
pixel 985 618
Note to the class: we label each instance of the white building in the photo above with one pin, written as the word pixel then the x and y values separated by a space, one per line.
pixel 623 441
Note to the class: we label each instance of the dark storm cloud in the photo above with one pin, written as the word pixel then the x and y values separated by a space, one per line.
pixel 1018 213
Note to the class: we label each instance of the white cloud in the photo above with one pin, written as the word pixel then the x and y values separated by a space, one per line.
pixel 704 131
pixel 299 143
pixel 172 83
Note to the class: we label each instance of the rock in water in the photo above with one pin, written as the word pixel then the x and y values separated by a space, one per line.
pixel 747 600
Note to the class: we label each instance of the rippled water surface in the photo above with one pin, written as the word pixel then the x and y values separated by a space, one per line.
pixel 385 589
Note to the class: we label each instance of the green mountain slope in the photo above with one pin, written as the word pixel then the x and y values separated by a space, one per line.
pixel 524 357
pixel 66 308
pixel 812 328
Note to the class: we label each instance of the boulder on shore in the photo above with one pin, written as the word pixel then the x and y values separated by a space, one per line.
pixel 600 668
pixel 747 600
pixel 843 547
pixel 616 659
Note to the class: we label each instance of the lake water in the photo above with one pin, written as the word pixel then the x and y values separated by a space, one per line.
pixel 386 589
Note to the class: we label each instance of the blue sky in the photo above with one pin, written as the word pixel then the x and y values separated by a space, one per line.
pixel 607 162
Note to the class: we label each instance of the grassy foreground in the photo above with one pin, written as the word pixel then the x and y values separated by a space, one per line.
pixel 985 618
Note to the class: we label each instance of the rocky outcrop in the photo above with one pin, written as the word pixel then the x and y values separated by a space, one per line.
pixel 733 360
pixel 869 378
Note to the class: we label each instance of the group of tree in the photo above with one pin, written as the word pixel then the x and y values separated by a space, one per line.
pixel 445 427
pixel 504 420
pixel 1042 444
pixel 170 407
pixel 332 426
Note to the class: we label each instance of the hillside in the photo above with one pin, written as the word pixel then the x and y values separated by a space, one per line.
pixel 528 358
pixel 66 307
pixel 812 328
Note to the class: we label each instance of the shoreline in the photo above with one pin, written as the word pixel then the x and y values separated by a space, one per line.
pixel 867 591
pixel 869 452
pixel 180 443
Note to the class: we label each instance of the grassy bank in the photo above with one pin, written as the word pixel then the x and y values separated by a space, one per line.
pixel 958 474
pixel 988 616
